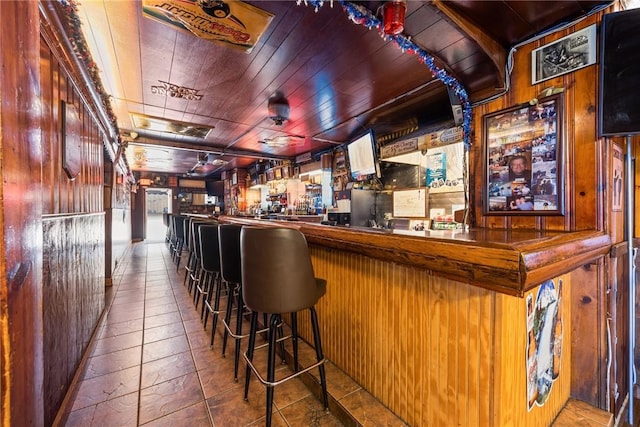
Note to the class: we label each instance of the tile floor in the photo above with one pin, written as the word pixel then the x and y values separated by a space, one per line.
pixel 151 365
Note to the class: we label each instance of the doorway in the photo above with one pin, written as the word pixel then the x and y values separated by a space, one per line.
pixel 157 203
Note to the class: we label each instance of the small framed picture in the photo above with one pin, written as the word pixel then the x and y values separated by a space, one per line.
pixel 564 55
pixel 71 128
pixel 524 159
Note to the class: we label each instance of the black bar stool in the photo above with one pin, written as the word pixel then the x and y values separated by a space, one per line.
pixel 277 277
pixel 230 269
pixel 210 280
pixel 195 272
pixel 178 231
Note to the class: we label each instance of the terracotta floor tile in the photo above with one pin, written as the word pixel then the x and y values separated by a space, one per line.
pixel 290 392
pixel 230 408
pixel 309 412
pixel 167 368
pixel 163 332
pixel 160 309
pixel 114 361
pixel 217 378
pixel 170 396
pixel 159 349
pixel 160 299
pixel 118 328
pixel 117 314
pixel 119 412
pixel 204 357
pixel 193 416
pixel 119 342
pixel 105 387
pixel 162 319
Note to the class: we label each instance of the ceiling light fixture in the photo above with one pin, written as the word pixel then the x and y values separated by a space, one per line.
pixel 278 107
pixel 393 13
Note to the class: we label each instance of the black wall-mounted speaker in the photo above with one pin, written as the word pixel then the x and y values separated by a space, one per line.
pixel 619 100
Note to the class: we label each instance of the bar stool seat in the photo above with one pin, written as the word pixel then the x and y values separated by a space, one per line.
pixel 278 278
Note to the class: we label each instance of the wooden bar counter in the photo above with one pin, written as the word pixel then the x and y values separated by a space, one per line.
pixel 434 324
pixel 508 261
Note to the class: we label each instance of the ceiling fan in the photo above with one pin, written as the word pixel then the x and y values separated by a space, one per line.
pixel 206 164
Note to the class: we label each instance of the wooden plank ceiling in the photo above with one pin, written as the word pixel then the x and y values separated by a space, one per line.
pixel 339 78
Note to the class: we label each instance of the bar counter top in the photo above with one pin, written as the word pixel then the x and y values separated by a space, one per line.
pixel 507 261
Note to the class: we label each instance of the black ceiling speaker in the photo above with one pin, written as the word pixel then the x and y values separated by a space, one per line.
pixel 619 101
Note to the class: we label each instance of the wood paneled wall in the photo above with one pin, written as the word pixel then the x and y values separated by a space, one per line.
pixel 588 180
pixel 585 155
pixel 62 195
pixel 73 226
pixel 435 351
pixel 21 373
pixel 74 297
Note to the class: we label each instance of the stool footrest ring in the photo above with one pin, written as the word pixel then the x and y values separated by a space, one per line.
pixel 282 380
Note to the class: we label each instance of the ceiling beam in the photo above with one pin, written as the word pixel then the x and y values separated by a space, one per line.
pixel 492 48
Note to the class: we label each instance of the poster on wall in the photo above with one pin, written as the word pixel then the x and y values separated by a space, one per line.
pixel 565 55
pixel 544 341
pixel 618 178
pixel 445 168
pixel 524 159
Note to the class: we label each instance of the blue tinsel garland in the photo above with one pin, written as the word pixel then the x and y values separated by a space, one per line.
pixel 363 16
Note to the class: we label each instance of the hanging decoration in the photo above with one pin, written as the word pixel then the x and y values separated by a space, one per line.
pixel 393 16
pixel 363 16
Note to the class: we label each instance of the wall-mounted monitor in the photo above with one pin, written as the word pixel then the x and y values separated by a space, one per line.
pixel 363 162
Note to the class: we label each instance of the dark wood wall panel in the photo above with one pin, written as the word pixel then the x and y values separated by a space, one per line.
pixel 63 195
pixel 73 291
pixel 73 229
pixel 21 372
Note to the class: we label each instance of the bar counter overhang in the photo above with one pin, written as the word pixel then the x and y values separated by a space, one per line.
pixel 506 261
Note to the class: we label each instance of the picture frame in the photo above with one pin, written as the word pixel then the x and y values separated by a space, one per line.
pixel 565 55
pixel 71 130
pixel 523 163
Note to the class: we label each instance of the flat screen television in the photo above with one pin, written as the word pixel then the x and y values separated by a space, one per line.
pixel 363 163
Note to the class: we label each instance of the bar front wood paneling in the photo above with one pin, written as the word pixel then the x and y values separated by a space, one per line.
pixel 434 350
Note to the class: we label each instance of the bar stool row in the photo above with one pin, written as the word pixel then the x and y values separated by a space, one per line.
pixel 260 270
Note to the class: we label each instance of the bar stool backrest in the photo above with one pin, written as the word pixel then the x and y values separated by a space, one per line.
pixel 179 226
pixel 195 238
pixel 277 274
pixel 229 239
pixel 209 248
